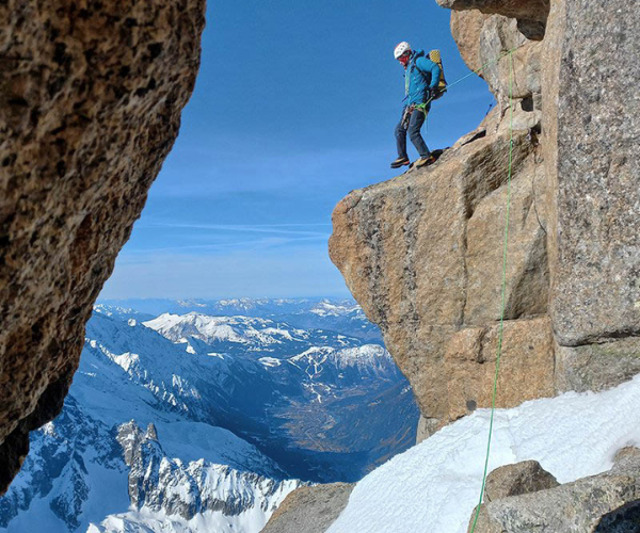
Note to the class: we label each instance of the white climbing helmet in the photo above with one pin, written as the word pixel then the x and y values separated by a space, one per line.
pixel 401 49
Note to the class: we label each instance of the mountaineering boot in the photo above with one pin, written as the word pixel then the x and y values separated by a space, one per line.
pixel 400 162
pixel 423 161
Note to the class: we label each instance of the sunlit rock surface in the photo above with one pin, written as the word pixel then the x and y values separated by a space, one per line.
pixel 423 252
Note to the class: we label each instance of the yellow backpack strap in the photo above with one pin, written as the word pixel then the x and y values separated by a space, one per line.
pixel 436 57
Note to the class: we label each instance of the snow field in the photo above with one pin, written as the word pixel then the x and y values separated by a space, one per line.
pixel 436 485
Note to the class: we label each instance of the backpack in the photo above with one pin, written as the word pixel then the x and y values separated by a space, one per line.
pixel 434 56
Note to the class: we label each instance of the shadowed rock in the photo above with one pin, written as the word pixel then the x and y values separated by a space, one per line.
pixel 537 10
pixel 90 102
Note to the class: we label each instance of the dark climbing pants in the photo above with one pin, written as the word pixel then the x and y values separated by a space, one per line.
pixel 415 123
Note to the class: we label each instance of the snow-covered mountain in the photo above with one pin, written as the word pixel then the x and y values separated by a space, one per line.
pixel 344 316
pixel 245 333
pixel 93 464
pixel 282 383
pixel 198 423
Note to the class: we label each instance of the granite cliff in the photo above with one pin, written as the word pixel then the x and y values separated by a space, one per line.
pixel 422 253
pixel 91 95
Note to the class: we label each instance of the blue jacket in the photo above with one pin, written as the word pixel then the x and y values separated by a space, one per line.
pixel 421 74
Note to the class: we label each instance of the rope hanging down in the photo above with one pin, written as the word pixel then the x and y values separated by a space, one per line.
pixel 503 293
pixel 478 71
pixel 484 66
pixel 473 73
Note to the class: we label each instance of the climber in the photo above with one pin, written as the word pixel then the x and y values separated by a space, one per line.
pixel 421 86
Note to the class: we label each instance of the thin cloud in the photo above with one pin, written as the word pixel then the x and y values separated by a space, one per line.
pixel 254 244
pixel 251 228
pixel 275 274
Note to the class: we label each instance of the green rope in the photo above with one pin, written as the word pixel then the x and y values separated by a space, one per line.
pixel 487 64
pixel 502 305
pixel 477 71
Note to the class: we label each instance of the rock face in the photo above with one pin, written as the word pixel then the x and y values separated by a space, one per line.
pixel 91 95
pixel 597 366
pixel 422 253
pixel 607 502
pixel 596 271
pixel 590 130
pixel 310 509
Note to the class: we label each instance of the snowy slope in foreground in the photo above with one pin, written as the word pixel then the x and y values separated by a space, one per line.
pixel 435 485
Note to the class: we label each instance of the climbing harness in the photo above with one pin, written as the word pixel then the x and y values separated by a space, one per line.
pixel 424 108
pixel 503 293
pixel 406 116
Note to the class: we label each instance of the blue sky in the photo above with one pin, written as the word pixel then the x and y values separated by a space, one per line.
pixel 294 106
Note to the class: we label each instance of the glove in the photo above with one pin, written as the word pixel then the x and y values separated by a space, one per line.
pixel 433 93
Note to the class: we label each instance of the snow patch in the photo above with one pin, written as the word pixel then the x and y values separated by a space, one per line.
pixel 270 362
pixel 435 485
